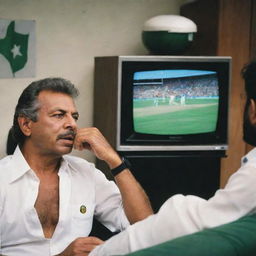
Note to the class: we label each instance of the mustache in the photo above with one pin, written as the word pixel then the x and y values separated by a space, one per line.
pixel 70 133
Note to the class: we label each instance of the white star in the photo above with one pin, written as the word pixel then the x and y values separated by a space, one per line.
pixel 16 51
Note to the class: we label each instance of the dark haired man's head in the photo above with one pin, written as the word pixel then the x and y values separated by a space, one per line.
pixel 28 104
pixel 249 129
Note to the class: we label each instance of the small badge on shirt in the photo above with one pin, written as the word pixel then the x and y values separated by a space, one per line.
pixel 83 209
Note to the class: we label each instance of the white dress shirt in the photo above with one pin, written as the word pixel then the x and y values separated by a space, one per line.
pixel 83 192
pixel 181 215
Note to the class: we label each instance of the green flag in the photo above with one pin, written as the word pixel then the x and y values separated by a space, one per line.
pixel 14 47
pixel 17 48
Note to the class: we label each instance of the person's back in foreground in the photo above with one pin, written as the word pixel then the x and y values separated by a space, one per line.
pixel 181 215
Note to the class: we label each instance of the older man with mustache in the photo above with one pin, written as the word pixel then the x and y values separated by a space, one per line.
pixel 48 198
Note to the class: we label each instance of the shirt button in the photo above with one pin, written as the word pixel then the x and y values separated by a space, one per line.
pixel 245 160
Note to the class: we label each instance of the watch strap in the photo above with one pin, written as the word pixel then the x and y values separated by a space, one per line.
pixel 124 165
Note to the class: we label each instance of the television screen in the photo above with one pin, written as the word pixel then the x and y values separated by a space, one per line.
pixel 175 101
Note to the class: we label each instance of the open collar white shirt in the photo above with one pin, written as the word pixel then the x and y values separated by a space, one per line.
pixel 181 215
pixel 83 192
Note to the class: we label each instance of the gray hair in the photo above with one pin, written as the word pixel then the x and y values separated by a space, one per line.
pixel 28 104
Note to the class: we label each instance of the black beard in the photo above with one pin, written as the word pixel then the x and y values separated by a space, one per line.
pixel 249 130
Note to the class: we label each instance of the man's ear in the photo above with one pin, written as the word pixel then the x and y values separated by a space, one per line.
pixel 25 125
pixel 252 112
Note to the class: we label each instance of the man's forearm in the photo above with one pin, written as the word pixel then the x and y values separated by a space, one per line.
pixel 135 201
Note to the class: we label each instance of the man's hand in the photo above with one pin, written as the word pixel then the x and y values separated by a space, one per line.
pixel 82 246
pixel 92 139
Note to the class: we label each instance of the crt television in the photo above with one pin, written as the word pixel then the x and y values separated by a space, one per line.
pixel 167 103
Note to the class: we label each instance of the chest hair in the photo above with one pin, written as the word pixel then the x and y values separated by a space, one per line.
pixel 47 203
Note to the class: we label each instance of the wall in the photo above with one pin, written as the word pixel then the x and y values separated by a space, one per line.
pixel 69 34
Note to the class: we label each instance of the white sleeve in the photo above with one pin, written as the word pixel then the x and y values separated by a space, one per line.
pixel 109 207
pixel 181 215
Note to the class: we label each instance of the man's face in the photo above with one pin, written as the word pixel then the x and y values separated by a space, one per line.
pixel 54 131
pixel 249 130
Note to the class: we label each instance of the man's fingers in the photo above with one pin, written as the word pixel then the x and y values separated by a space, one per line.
pixel 85 137
pixel 89 243
pixel 92 240
pixel 81 246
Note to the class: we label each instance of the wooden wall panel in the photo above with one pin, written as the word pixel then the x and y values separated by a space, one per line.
pixel 234 40
pixel 235 21
pixel 253 30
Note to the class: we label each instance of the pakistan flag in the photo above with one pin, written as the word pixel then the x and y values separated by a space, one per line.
pixel 16 36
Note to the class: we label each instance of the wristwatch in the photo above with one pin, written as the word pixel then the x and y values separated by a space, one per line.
pixel 124 165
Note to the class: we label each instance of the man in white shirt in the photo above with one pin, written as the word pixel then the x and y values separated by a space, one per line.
pixel 181 215
pixel 48 198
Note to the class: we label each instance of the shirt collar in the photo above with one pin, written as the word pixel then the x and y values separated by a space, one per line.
pixel 67 164
pixel 20 165
pixel 63 165
pixel 249 157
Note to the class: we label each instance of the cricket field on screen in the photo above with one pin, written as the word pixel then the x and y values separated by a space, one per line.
pixel 176 116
